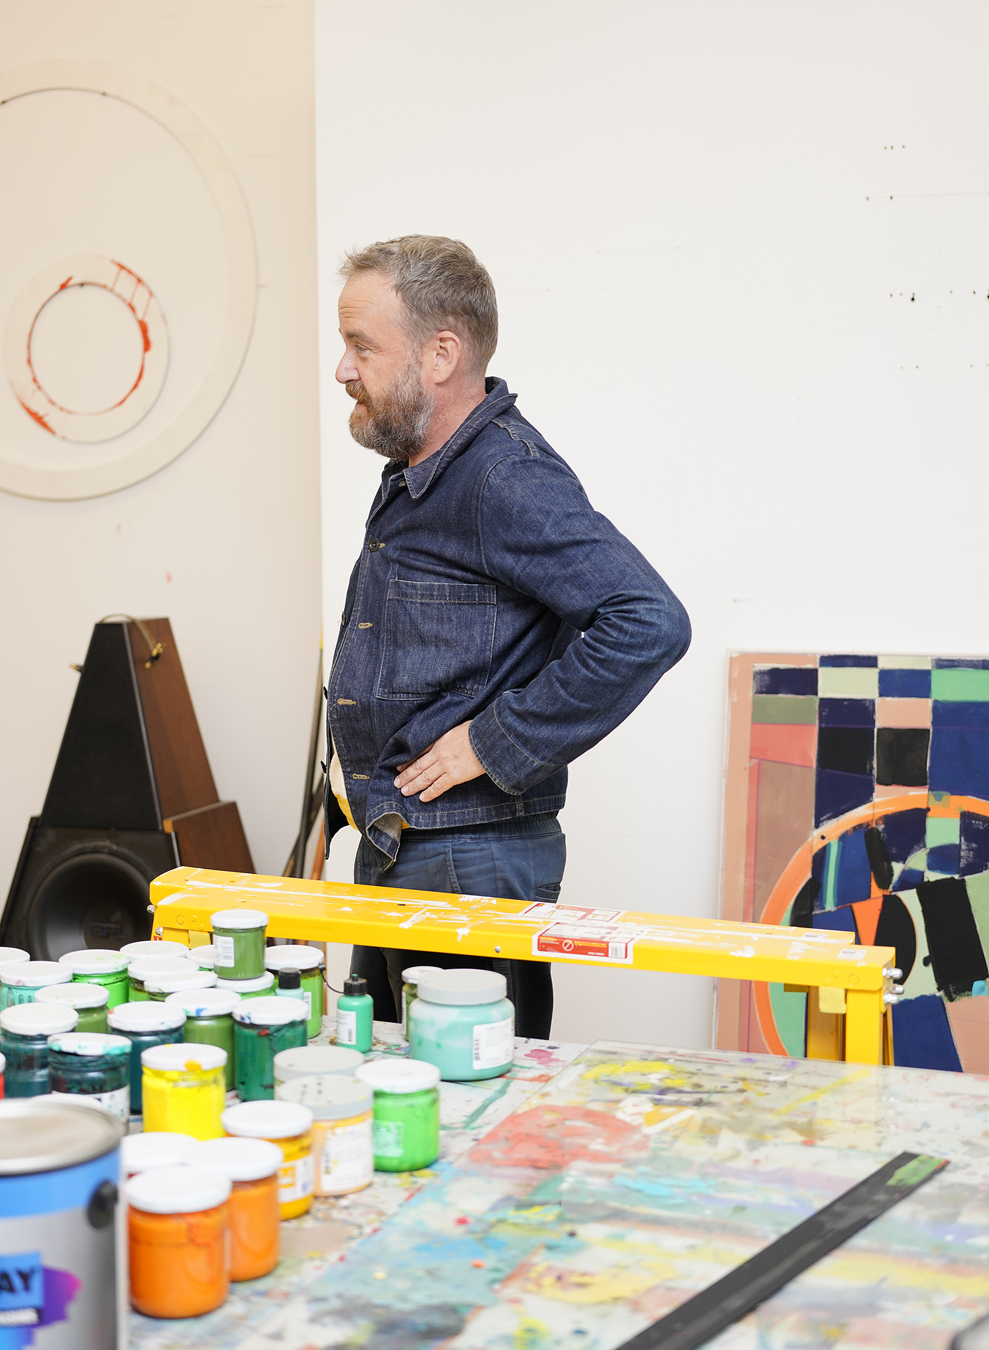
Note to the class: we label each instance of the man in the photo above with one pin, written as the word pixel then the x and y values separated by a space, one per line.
pixel 495 627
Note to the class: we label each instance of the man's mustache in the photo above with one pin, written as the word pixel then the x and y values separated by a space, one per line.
pixel 357 391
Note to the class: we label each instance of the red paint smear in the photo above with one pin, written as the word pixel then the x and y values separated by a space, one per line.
pixel 64 284
pixel 147 341
pixel 552 1137
pixel 37 416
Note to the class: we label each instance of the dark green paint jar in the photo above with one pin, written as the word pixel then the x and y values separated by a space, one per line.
pixel 96 1067
pixel 208 1020
pixel 263 1027
pixel 238 943
pixel 144 1025
pixel 24 1032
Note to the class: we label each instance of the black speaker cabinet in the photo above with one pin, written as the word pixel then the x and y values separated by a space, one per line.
pixel 131 796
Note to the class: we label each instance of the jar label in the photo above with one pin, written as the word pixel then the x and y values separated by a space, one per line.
pixel 223 950
pixel 307 995
pixel 389 1138
pixel 494 1044
pixel 348 1157
pixel 116 1102
pixel 295 1180
pixel 346 1026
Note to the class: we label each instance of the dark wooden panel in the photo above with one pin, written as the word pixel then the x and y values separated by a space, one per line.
pixel 182 772
pixel 212 837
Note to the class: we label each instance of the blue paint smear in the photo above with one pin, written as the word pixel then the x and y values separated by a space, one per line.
pixel 959 663
pixel 837 793
pixel 840 920
pixel 846 712
pixel 974 844
pixel 922 1036
pixel 904 684
pixel 909 879
pixel 854 881
pixel 959 761
pixel 944 858
pixel 905 832
pixel 949 714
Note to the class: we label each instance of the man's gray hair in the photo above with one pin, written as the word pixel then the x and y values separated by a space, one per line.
pixel 442 285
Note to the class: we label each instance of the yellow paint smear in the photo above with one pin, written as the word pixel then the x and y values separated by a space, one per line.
pixel 609 1285
pixel 630 1066
pixel 824 1091
pixel 530 1334
pixel 860 1268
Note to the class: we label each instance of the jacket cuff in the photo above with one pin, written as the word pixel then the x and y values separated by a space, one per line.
pixel 506 764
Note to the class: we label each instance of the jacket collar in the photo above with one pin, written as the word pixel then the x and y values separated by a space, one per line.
pixel 421 477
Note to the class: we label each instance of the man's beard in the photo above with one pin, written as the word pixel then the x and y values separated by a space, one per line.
pixel 397 423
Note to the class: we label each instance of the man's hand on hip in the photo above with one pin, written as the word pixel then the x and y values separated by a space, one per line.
pixel 447 762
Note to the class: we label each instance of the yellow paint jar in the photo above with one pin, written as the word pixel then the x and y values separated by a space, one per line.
pixel 289 1125
pixel 184 1089
pixel 342 1139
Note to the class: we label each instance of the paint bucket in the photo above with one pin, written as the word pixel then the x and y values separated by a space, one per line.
pixel 315 1059
pixel 60 1224
pixel 145 1024
pixel 24 1032
pixel 183 1089
pixel 255 1219
pixel 238 943
pixel 89 1001
pixel 309 962
pixel 105 968
pixel 179 1229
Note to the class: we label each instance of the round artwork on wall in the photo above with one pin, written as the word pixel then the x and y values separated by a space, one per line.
pixel 134 391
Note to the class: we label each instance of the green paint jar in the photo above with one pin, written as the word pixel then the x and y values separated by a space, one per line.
pixel 410 990
pixel 158 987
pixel 106 968
pixel 355 1015
pixel 24 1032
pixel 238 943
pixel 138 950
pixel 262 1028
pixel 89 1001
pixel 145 1024
pixel 95 1067
pixel 154 967
pixel 10 956
pixel 204 957
pixel 406 1113
pixel 259 988
pixel 20 982
pixel 208 1020
pixel 309 962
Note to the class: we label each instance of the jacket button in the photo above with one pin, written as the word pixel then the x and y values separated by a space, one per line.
pixel 365 625
pixel 374 545
pixel 361 777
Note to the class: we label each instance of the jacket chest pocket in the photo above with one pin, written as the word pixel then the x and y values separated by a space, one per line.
pixel 438 638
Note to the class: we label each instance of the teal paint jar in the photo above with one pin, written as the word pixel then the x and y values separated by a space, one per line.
pixel 89 1001
pixel 238 943
pixel 406 1113
pixel 259 988
pixel 105 968
pixel 144 1024
pixel 154 967
pixel 355 1015
pixel 24 1032
pixel 208 1020
pixel 410 990
pixel 462 1022
pixel 94 1067
pixel 309 962
pixel 263 1027
pixel 138 950
pixel 158 987
pixel 10 956
pixel 20 982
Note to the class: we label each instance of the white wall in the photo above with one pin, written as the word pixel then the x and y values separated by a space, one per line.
pixel 225 540
pixel 742 257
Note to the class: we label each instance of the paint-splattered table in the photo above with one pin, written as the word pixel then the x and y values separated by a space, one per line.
pixel 591 1190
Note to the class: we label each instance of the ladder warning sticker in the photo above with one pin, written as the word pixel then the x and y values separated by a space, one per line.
pixel 568 913
pixel 612 942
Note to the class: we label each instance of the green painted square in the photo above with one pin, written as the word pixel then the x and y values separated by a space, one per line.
pixel 943 830
pixel 785 709
pixel 848 682
pixel 960 686
pixel 789 1011
pixel 904 663
pixel 921 977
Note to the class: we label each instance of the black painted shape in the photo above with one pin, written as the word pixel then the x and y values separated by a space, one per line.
pixel 802 913
pixel 845 749
pixel 895 929
pixel 879 860
pixel 957 958
pixel 103 777
pixel 901 756
pixel 702 1317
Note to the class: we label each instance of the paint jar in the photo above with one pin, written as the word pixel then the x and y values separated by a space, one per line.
pixel 94 1067
pixel 24 1032
pixel 315 1059
pixel 138 950
pixel 10 956
pixel 342 1133
pixel 21 981
pixel 262 1028
pixel 208 1020
pixel 3 1070
pixel 462 1022
pixel 158 987
pixel 262 987
pixel 59 1173
pixel 160 1148
pixel 145 1025
pixel 184 1089
pixel 255 1214
pixel 288 1125
pixel 410 987
pixel 204 956
pixel 355 1014
pixel 238 943
pixel 152 967
pixel 179 1227
pixel 105 968
pixel 89 1001
pixel 309 962
pixel 406 1112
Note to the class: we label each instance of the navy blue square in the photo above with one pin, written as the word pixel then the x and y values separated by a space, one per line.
pixel 837 793
pixel 959 761
pixel 905 832
pixel 847 712
pixel 868 661
pixel 799 680
pixel 959 663
pixel 904 684
pixel 951 714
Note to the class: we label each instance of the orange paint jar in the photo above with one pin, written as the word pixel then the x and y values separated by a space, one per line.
pixel 255 1221
pixel 179 1226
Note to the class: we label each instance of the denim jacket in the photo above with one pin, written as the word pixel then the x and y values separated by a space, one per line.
pixel 488 588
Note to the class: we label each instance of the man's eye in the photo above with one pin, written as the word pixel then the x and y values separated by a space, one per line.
pixel 359 348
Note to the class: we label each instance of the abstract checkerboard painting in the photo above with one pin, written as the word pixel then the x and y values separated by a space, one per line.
pixel 857 799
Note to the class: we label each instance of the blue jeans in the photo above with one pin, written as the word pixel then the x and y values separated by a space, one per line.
pixel 522 859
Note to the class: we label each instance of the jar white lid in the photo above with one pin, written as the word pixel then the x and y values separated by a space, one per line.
pixel 267 1120
pixel 204 1002
pixel 234 919
pixel 265 981
pixel 170 984
pixel 415 973
pixel 238 1158
pixel 147 967
pixel 75 995
pixel 177 1190
pixel 204 957
pixel 392 1074
pixel 89 1043
pixel 305 1060
pixel 270 1012
pixel 293 958
pixel 34 974
pixel 153 1149
pixel 38 1019
pixel 189 1055
pixel 95 961
pixel 145 1016
pixel 12 956
pixel 463 987
pixel 328 1097
pixel 149 948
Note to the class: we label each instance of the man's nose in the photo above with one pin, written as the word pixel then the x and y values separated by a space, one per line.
pixel 346 371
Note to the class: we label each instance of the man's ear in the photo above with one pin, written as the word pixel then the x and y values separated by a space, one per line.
pixel 443 357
